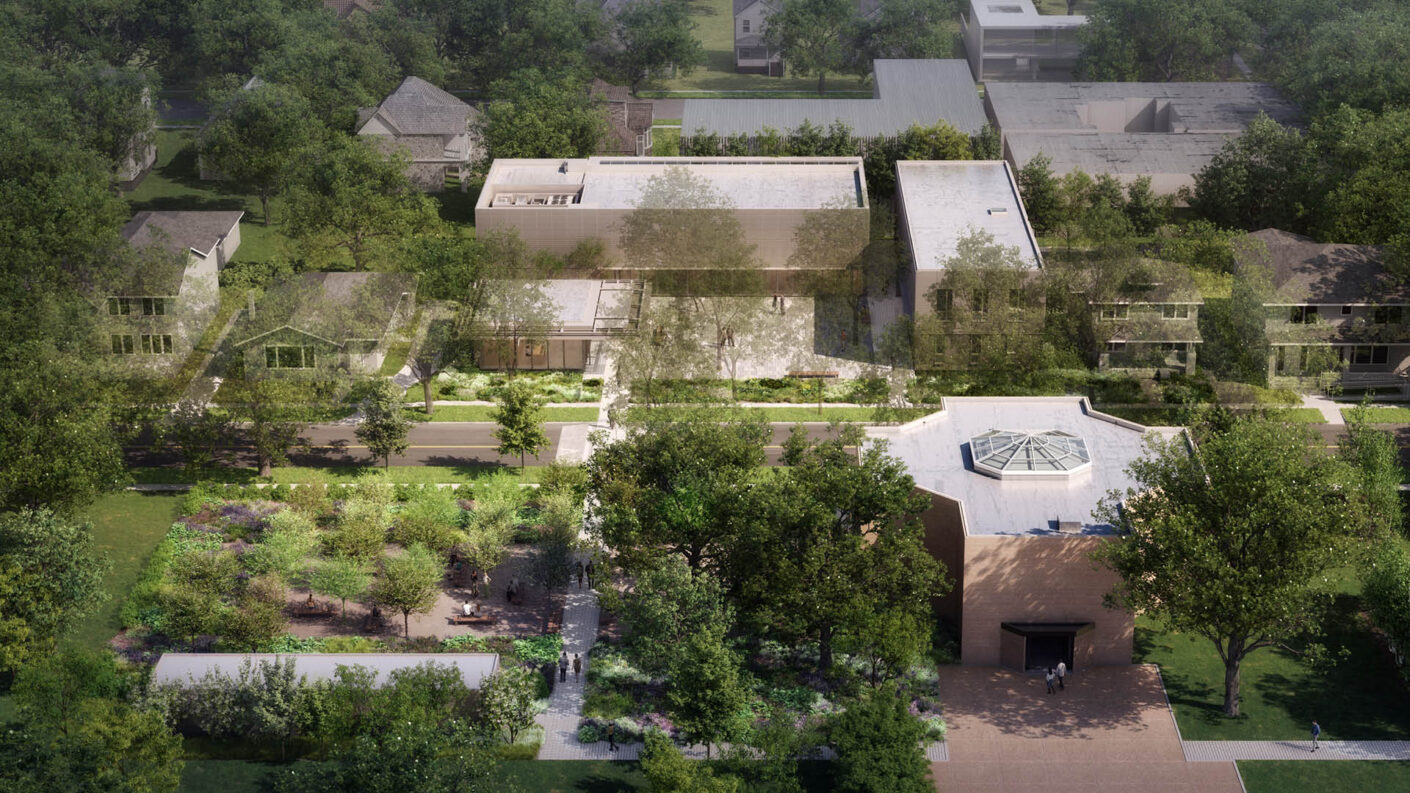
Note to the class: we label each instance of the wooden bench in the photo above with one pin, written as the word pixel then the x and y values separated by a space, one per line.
pixel 472 619
pixel 813 375
pixel 318 611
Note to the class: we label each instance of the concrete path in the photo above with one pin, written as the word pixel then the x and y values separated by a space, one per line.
pixel 1331 411
pixel 1216 751
pixel 565 706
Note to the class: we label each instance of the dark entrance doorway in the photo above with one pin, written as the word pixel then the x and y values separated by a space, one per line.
pixel 1041 645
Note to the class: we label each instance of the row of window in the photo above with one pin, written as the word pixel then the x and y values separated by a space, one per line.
pixel 1123 311
pixel 1165 346
pixel 149 306
pixel 150 344
pixel 285 357
pixel 1381 315
pixel 978 302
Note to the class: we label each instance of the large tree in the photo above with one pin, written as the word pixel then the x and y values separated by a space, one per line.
pixel 650 36
pixel 384 426
pixel 52 577
pixel 492 39
pixel 519 414
pixel 535 115
pixel 1231 539
pixel 273 414
pixel 409 582
pixel 1132 40
pixel 667 605
pixel 815 36
pixel 1328 54
pixel 877 741
pixel 258 138
pixel 706 697
pixel 1261 179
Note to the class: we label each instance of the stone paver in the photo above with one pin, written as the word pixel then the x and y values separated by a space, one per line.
pixel 1211 751
pixel 565 705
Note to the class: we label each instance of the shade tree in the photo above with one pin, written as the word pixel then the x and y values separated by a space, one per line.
pixel 409 583
pixel 816 37
pixel 534 114
pixel 650 36
pixel 384 427
pixel 259 137
pixel 51 576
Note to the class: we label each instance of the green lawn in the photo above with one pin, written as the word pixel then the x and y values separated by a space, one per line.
pixel 796 413
pixel 665 142
pixel 226 776
pixel 1301 776
pixel 397 474
pixel 482 413
pixel 1384 415
pixel 127 526
pixel 1362 696
pixel 1060 6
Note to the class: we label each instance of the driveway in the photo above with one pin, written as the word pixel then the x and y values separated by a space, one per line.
pixel 1109 732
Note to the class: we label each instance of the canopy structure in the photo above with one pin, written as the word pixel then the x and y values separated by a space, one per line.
pixel 1007 453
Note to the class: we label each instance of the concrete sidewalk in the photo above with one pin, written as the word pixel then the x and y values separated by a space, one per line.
pixel 1216 751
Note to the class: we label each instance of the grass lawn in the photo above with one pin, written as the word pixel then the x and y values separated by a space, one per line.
pixel 1383 415
pixel 482 413
pixel 665 142
pixel 1060 6
pixel 1300 776
pixel 127 526
pixel 798 413
pixel 1362 696
pixel 397 474
pixel 225 776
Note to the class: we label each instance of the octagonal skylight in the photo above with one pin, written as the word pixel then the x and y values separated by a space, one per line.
pixel 1047 453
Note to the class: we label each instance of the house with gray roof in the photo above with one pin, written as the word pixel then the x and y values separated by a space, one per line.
pixel 1330 305
pixel 1011 40
pixel 753 54
pixel 321 325
pixel 905 93
pixel 157 304
pixel 431 126
pixel 1149 321
pixel 343 9
pixel 1167 131
pixel 1014 485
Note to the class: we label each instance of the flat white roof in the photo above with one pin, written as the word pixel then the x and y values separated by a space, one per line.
pixel 183 668
pixel 936 451
pixel 748 182
pixel 995 14
pixel 944 200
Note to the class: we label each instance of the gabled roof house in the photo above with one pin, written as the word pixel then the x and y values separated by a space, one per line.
pixel 430 125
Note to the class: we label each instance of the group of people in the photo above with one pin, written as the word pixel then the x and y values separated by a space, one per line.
pixel 778 304
pixel 583 572
pixel 1059 674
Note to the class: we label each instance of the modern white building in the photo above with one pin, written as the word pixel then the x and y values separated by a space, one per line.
pixel 1010 40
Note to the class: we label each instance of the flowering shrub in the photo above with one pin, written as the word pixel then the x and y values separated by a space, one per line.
pixel 539 650
pixel 611 668
pixel 289 643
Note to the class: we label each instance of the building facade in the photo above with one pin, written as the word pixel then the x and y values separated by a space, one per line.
pixel 430 126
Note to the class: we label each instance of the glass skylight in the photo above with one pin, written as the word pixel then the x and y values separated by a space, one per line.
pixel 1006 453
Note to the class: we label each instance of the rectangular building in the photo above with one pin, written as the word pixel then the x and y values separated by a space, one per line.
pixel 1010 40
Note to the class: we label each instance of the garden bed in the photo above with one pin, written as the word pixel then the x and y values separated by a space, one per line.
pixel 486 386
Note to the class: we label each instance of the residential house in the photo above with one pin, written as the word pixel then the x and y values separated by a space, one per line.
pixel 432 127
pixel 556 205
pixel 1166 131
pixel 1150 321
pixel 586 315
pixel 629 120
pixel 1331 306
pixel 1011 40
pixel 1013 484
pixel 753 54
pixel 318 325
pixel 905 93
pixel 181 669
pixel 155 310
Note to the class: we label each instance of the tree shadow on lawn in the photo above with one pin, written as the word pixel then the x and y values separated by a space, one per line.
pixel 1193 697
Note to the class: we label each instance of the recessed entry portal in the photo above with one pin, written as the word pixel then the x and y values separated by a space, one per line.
pixel 1039 645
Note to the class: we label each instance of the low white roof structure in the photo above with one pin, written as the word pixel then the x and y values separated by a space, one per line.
pixel 1019 15
pixel 184 668
pixel 941 454
pixel 618 183
pixel 942 201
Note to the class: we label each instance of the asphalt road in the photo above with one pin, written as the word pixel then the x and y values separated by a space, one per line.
pixel 432 443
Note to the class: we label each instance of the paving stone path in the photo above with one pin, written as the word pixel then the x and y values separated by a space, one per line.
pixel 1214 751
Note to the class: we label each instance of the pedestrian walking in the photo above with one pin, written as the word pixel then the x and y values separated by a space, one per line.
pixel 1049 677
pixel 774 305
pixel 580 575
pixel 611 737
pixel 588 571
pixel 577 666
pixel 1062 675
pixel 1316 735
pixel 782 308
pixel 563 667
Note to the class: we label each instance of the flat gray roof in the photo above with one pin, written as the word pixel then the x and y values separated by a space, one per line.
pixel 182 668
pixel 944 200
pixel 1192 107
pixel 907 92
pixel 1020 14
pixel 748 182
pixel 936 452
pixel 1119 153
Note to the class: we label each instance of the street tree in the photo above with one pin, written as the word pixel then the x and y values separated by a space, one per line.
pixel 651 36
pixel 909 29
pixel 384 427
pixel 507 701
pixel 675 485
pixel 196 433
pixel 432 351
pixel 409 583
pixel 258 138
pixel 877 742
pixel 815 37
pixel 665 347
pixel 534 115
pixel 273 413
pixel 342 577
pixel 53 577
pixel 353 201
pixel 1134 40
pixel 706 697
pixel 832 538
pixel 1230 540
pixel 519 415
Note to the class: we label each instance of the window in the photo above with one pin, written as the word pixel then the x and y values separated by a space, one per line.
pixel 154 344
pixel 153 306
pixel 1303 315
pixel 538 350
pixel 1175 311
pixel 746 26
pixel 753 53
pixel 1116 346
pixel 944 303
pixel 1015 299
pixel 1346 311
pixel 1387 315
pixel 1115 311
pixel 975 348
pixel 289 357
pixel 979 302
pixel 1369 355
pixel 122 345
pixel 119 306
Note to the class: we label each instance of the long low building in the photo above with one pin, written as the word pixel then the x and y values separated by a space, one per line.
pixel 1013 485
pixel 586 314
pixel 905 93
pixel 556 205
pixel 187 668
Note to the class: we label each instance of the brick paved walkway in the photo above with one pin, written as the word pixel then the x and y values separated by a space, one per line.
pixel 1214 751
pixel 565 706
